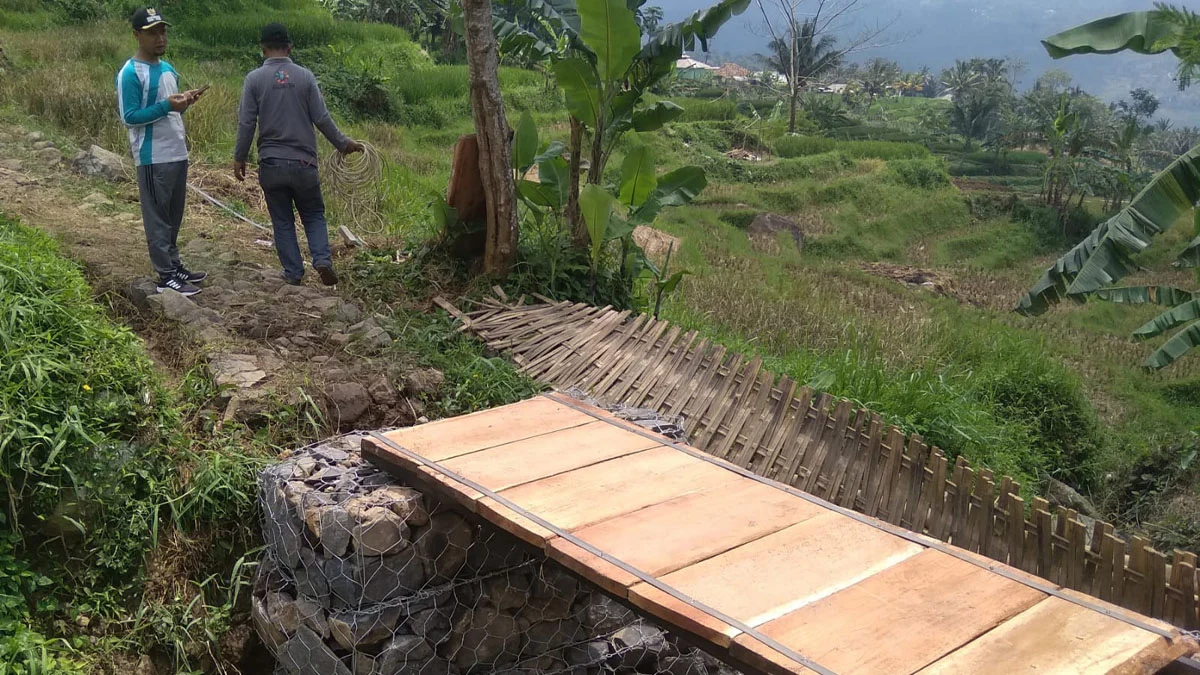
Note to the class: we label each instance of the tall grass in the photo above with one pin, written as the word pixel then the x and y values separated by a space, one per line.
pixel 799 146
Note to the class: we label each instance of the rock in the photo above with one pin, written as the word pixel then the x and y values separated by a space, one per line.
pixel 538 610
pixel 330 525
pixel 313 615
pixel 177 307
pixel 405 502
pixel 306 654
pixel 404 651
pixel 640 645
pixel 270 634
pixel 96 199
pixel 550 635
pixel 346 312
pixel 49 156
pixel 145 666
pixel 12 165
pixel 1059 493
pixel 282 612
pixel 483 636
pixel 431 624
pixel 42 145
pixel 354 630
pixel 140 291
pixel 682 665
pixel 388 577
pixel 312 579
pixel 238 370
pixel 507 591
pixel 603 615
pixel 324 304
pixel 424 382
pixel 375 338
pixel 499 551
pixel 382 391
pixel 340 339
pixel 443 545
pixel 590 654
pixel 379 532
pixel 34 136
pixel 348 401
pixel 100 162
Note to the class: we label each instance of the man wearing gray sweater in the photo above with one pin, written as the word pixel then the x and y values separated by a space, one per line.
pixel 284 102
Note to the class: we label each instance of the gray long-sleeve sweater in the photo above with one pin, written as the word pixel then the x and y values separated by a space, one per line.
pixel 283 100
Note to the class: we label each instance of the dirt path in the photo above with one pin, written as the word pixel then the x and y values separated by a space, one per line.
pixel 262 340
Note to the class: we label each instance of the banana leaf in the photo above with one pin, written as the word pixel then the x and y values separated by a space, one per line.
pixel 513 40
pixel 672 41
pixel 1106 255
pixel 1182 342
pixel 1168 296
pixel 1141 32
pixel 609 30
pixel 1176 316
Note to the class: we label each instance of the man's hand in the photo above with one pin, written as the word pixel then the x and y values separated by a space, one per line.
pixel 179 102
pixel 239 171
pixel 352 147
pixel 194 95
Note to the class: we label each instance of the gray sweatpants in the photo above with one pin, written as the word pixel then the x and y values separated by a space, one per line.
pixel 163 190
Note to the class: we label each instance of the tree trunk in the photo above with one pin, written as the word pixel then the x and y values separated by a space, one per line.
pixel 495 149
pixel 575 224
pixel 792 112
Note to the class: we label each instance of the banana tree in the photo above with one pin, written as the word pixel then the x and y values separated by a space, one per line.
pixel 606 71
pixel 608 214
pixel 1106 255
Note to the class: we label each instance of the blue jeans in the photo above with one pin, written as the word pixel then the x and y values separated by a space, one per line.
pixel 287 183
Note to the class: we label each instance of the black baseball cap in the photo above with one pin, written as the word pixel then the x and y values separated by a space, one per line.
pixel 275 34
pixel 147 17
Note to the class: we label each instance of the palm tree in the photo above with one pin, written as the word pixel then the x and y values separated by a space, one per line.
pixel 802 55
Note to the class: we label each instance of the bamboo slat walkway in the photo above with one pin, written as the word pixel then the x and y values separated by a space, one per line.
pixel 773 579
pixel 739 412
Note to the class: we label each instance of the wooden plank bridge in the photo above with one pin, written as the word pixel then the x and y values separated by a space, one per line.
pixel 771 578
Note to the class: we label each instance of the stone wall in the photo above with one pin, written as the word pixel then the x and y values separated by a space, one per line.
pixel 366 576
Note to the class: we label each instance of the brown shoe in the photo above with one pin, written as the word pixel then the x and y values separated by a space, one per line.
pixel 328 276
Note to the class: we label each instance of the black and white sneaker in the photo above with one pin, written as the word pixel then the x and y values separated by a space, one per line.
pixel 190 276
pixel 178 284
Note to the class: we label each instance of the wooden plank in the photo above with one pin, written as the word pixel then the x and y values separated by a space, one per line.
pixel 684 530
pixel 898 621
pixel 547 455
pixel 790 568
pixel 455 436
pixel 1056 636
pixel 601 491
pixel 664 371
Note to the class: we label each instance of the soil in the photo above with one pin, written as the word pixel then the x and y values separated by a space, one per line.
pixel 261 338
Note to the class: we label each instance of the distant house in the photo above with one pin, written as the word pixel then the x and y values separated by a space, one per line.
pixel 838 89
pixel 732 72
pixel 688 68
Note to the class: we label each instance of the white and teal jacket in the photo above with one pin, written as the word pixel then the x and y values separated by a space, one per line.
pixel 156 133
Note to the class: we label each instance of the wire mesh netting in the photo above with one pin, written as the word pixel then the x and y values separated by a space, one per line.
pixel 366 576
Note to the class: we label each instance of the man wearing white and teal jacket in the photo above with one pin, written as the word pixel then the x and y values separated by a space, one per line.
pixel 151 107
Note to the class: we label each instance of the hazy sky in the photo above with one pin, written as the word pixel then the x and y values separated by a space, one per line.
pixel 936 32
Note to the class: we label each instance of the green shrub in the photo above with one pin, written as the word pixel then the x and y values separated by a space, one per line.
pixel 798 146
pixel 701 110
pixel 925 174
pixel 81 412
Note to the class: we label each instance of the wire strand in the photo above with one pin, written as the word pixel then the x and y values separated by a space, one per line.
pixel 356 183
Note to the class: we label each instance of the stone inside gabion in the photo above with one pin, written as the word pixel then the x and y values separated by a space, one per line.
pixel 366 576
